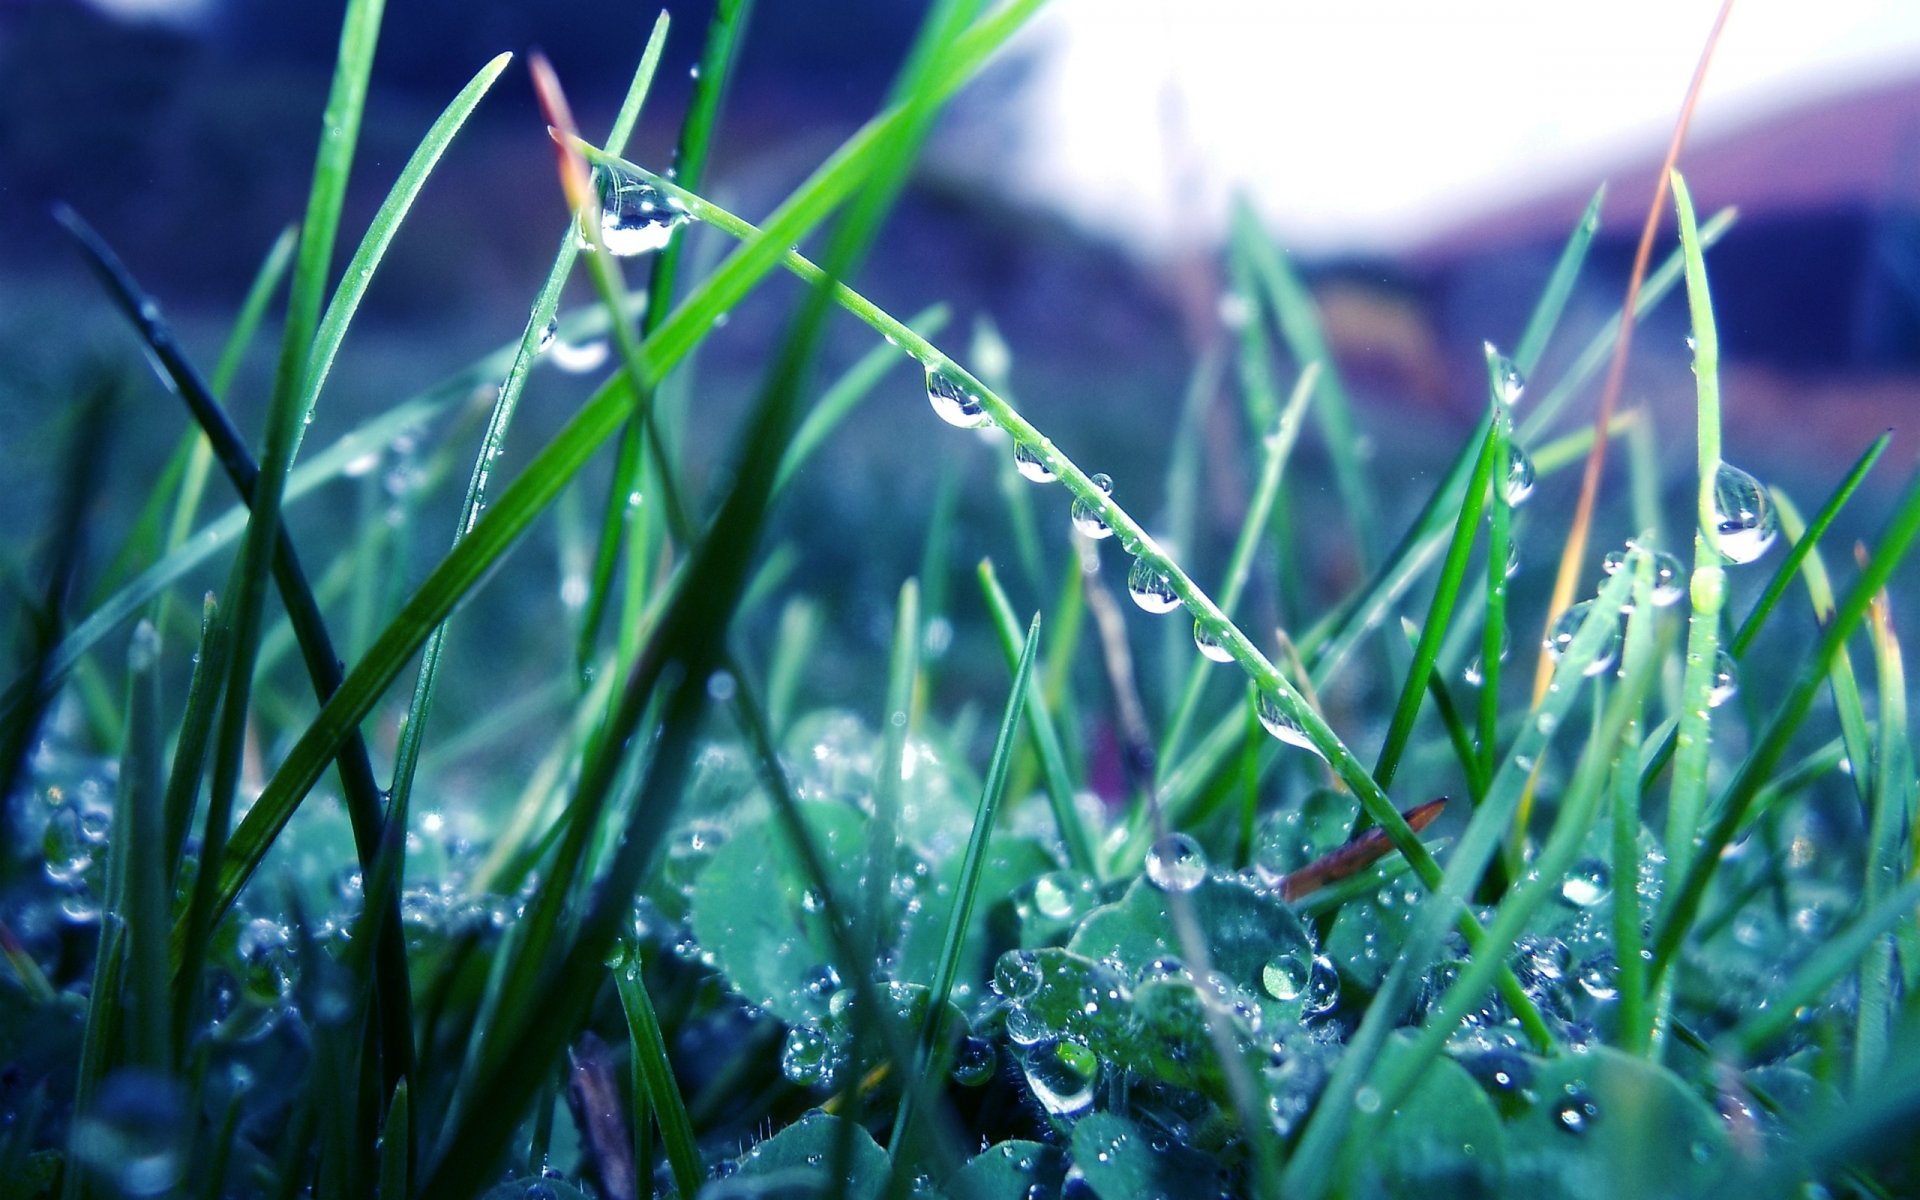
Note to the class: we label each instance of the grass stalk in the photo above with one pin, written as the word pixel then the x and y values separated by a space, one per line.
pixel 648 1045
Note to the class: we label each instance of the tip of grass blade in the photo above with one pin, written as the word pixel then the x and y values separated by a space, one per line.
pixel 574 180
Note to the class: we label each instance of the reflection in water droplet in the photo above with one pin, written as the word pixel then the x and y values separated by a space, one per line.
pixel 1283 726
pixel 1176 863
pixel 1087 518
pixel 1745 521
pixel 1150 587
pixel 547 333
pixel 1211 646
pixel 1027 461
pixel 1061 1074
pixel 1669 579
pixel 1286 976
pixel 1518 484
pixel 1568 627
pixel 1507 378
pixel 635 216
pixel 953 402
pixel 973 1062
pixel 1726 679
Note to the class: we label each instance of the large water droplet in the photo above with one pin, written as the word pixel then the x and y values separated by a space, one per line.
pixel 1213 647
pixel 547 334
pixel 1745 522
pixel 1062 1074
pixel 1087 518
pixel 1150 587
pixel 1176 863
pixel 1587 884
pixel 635 216
pixel 973 1062
pixel 809 1057
pixel 1568 626
pixel 1281 725
pixel 953 402
pixel 1026 460
pixel 1726 679
pixel 1287 975
pixel 1017 975
pixel 1508 380
pixel 1518 484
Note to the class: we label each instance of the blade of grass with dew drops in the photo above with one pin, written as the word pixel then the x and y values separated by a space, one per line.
pixel 931 1043
pixel 1278 446
pixel 1635 1022
pixel 1708 588
pixel 555 465
pixel 648 1045
pixel 190 748
pixel 1316 1155
pixel 1328 641
pixel 1045 734
pixel 713 73
pixel 1440 610
pixel 1134 539
pixel 690 635
pixel 1892 815
pixel 499 422
pixel 1493 627
pixel 1770 746
pixel 1803 559
pixel 1842 682
pixel 1298 317
pixel 1611 752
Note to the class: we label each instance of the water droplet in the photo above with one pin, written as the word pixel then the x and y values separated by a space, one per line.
pixel 1061 1074
pixel 67 850
pixel 1087 518
pixel 1513 559
pixel 1286 976
pixel 1568 626
pixel 635 216
pixel 1575 1112
pixel 1061 895
pixel 1026 460
pixel 1283 726
pixel 1508 380
pixel 953 402
pixel 1367 1100
pixel 1726 679
pixel 1518 484
pixel 1587 884
pixel 1150 587
pixel 1176 863
pixel 1016 975
pixel 547 335
pixel 809 1057
pixel 1669 579
pixel 1745 522
pixel 973 1062
pixel 1323 987
pixel 578 360
pixel 1213 647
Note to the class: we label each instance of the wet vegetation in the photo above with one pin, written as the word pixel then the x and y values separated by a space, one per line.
pixel 265 936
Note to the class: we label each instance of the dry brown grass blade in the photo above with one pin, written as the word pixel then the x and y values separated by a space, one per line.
pixel 1360 852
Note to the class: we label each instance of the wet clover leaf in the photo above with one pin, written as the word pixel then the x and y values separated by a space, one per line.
pixel 800 1159
pixel 1011 1170
pixel 1444 1139
pixel 1122 1161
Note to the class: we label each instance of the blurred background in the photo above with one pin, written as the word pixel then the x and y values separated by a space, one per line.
pixel 1423 161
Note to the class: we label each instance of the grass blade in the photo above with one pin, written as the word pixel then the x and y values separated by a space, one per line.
pixel 966 889
pixel 1887 863
pixel 655 1070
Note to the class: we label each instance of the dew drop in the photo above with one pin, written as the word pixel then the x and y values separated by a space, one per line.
pixel 1508 380
pixel 973 1062
pixel 1281 725
pixel 1150 587
pixel 1027 461
pixel 1575 1112
pixel 635 216
pixel 1587 884
pixel 1087 518
pixel 581 358
pixel 1210 645
pixel 1286 976
pixel 547 336
pixel 1745 522
pixel 1726 679
pixel 1016 975
pixel 1669 580
pixel 809 1057
pixel 1176 863
pixel 1518 484
pixel 953 402
pixel 1568 626
pixel 1061 1074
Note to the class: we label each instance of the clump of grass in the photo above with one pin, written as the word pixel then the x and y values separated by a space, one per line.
pixel 837 959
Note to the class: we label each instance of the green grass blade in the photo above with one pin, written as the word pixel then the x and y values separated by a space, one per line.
pixel 1279 448
pixel 97 1034
pixel 1294 310
pixel 1493 629
pixel 1892 815
pixel 903 668
pixel 148 865
pixel 649 1049
pixel 1694 733
pixel 196 729
pixel 1553 298
pixel 1041 727
pixel 386 221
pixel 1440 611
pixel 1683 904
pixel 966 889
pixel 396 1146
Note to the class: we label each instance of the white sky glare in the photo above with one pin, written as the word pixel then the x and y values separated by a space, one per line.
pixel 1370 124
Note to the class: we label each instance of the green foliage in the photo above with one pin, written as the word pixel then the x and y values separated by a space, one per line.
pixel 807 927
